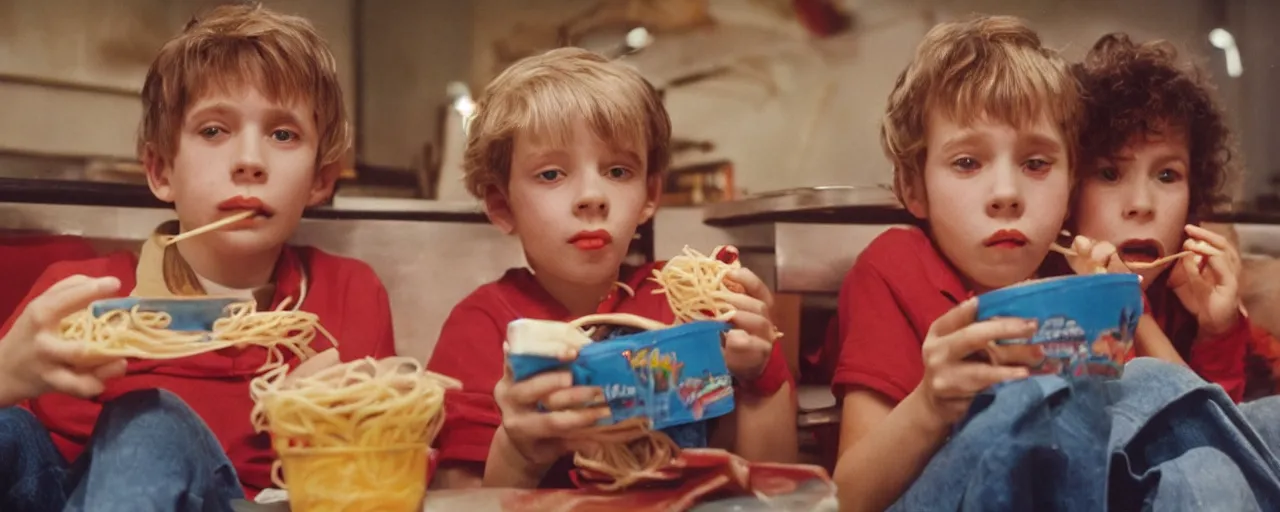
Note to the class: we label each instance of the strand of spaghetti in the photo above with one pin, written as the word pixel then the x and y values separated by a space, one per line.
pixel 619 319
pixel 626 453
pixel 352 435
pixel 146 334
pixel 689 281
pixel 212 226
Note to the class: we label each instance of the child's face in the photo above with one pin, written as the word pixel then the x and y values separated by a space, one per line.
pixel 995 196
pixel 575 208
pixel 237 152
pixel 1138 199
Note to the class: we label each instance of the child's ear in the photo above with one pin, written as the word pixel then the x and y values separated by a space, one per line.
pixel 913 197
pixel 653 196
pixel 323 183
pixel 158 172
pixel 498 208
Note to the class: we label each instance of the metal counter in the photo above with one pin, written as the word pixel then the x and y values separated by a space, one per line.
pixel 425 269
pixel 798 241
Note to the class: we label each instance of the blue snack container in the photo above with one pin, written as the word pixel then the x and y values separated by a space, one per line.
pixel 1086 323
pixel 189 314
pixel 674 376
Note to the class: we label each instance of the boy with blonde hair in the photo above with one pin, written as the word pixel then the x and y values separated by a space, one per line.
pixel 241 112
pixel 980 128
pixel 567 151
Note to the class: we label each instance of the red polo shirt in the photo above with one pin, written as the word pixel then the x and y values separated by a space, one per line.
pixel 345 293
pixel 901 284
pixel 1220 359
pixel 470 350
pixel 898 286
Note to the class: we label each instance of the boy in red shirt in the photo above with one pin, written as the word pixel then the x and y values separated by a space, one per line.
pixel 1156 156
pixel 980 128
pixel 567 151
pixel 242 111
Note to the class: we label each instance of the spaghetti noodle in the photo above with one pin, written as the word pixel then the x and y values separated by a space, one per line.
pixel 1132 265
pixel 693 283
pixel 212 226
pixel 630 451
pixel 355 436
pixel 625 453
pixel 146 335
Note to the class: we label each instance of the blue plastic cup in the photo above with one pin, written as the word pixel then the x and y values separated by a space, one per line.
pixel 1085 323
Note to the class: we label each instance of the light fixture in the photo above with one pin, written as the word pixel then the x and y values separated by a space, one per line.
pixel 1221 39
pixel 638 39
pixel 461 102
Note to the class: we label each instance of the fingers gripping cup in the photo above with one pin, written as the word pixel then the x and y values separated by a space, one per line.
pixel 1085 324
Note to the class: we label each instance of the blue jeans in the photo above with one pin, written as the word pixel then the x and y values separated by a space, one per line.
pixel 148 451
pixel 1159 438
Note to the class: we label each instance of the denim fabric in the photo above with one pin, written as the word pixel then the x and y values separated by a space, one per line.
pixel 1180 443
pixel 148 452
pixel 1036 444
pixel 1160 438
pixel 32 472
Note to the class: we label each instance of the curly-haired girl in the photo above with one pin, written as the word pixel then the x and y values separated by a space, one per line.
pixel 1156 157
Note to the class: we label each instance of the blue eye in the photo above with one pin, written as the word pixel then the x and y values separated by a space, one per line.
pixel 283 136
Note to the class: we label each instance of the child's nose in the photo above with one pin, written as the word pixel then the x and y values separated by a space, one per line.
pixel 246 173
pixel 593 204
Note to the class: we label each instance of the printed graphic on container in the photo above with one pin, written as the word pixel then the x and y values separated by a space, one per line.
pixel 673 376
pixel 1062 346
pixel 1085 323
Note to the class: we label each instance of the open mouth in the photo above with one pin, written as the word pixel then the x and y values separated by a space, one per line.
pixel 1140 251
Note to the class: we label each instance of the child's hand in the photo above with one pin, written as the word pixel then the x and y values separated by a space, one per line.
pixel 539 437
pixel 1211 292
pixel 1090 256
pixel 951 380
pixel 34 359
pixel 749 344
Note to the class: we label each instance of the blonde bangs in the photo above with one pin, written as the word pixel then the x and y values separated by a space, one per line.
pixel 991 67
pixel 1019 90
pixel 236 47
pixel 614 115
pixel 242 64
pixel 545 95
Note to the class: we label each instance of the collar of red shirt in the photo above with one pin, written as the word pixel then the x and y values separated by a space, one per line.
pixel 938 271
pixel 163 273
pixel 633 277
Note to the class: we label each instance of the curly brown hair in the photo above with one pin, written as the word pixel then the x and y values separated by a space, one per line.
pixel 1134 90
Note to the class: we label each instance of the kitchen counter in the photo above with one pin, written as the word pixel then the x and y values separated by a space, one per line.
pixel 93 193
pixel 875 204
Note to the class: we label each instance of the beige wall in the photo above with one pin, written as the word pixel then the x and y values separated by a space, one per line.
pixel 410 50
pixel 108 45
pixel 793 112
pixel 801 113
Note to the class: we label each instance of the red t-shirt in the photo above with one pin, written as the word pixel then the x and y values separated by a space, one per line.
pixel 1220 359
pixel 470 350
pixel 901 284
pixel 26 257
pixel 897 287
pixel 345 293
